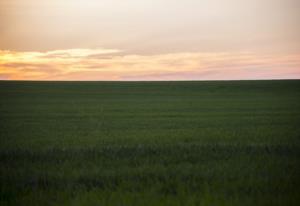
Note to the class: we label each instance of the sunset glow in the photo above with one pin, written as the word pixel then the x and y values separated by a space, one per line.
pixel 139 40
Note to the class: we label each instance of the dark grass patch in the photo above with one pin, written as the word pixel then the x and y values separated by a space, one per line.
pixel 150 143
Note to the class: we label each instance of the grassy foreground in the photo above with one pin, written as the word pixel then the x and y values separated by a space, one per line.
pixel 150 143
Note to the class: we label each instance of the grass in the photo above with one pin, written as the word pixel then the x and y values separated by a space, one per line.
pixel 150 143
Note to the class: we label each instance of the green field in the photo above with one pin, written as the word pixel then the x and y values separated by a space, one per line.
pixel 150 143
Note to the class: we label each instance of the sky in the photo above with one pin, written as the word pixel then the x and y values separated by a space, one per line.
pixel 149 40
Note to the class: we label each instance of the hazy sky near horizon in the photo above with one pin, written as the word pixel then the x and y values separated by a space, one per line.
pixel 149 40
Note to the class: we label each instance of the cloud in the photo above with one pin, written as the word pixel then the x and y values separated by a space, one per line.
pixel 113 64
pixel 79 53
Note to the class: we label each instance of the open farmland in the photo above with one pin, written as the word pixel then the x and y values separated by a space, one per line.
pixel 150 143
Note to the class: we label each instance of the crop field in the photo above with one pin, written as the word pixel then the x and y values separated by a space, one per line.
pixel 150 143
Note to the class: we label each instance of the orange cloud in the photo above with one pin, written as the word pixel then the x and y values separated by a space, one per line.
pixel 111 64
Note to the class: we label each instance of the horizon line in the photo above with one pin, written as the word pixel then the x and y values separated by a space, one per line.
pixel 210 80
